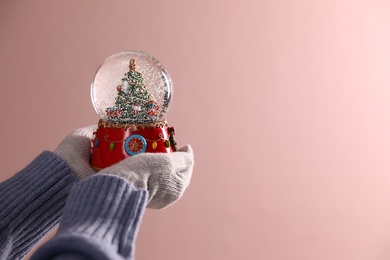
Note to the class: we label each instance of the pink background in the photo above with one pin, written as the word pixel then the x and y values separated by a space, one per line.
pixel 286 104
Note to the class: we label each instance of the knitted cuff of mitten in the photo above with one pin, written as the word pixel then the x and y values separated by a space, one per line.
pixel 100 220
pixel 32 202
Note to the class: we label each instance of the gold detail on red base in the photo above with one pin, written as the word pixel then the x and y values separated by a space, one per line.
pixel 132 127
pixel 95 168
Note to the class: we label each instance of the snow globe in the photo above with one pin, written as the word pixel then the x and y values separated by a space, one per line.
pixel 131 92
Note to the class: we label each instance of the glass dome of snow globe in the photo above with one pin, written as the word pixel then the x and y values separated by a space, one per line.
pixel 131 87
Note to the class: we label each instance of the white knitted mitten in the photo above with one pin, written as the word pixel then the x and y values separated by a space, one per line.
pixel 75 149
pixel 164 175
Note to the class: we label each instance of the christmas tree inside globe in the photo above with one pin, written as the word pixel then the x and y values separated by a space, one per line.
pixel 131 92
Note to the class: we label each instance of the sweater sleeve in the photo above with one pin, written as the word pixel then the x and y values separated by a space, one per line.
pixel 100 221
pixel 31 203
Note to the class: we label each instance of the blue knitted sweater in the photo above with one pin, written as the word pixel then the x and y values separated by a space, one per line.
pixel 99 216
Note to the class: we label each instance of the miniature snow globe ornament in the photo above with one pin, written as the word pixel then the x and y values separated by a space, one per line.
pixel 131 92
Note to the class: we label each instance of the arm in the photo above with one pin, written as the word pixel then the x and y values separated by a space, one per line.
pixel 31 203
pixel 103 212
pixel 100 221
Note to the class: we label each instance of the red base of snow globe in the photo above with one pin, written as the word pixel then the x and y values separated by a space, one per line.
pixel 114 142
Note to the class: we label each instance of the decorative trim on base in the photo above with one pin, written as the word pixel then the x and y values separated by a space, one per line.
pixel 132 127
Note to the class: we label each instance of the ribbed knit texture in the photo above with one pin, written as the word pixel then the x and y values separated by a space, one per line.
pixel 100 221
pixel 165 175
pixel 31 204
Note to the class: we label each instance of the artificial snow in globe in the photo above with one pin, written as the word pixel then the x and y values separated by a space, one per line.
pixel 131 87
